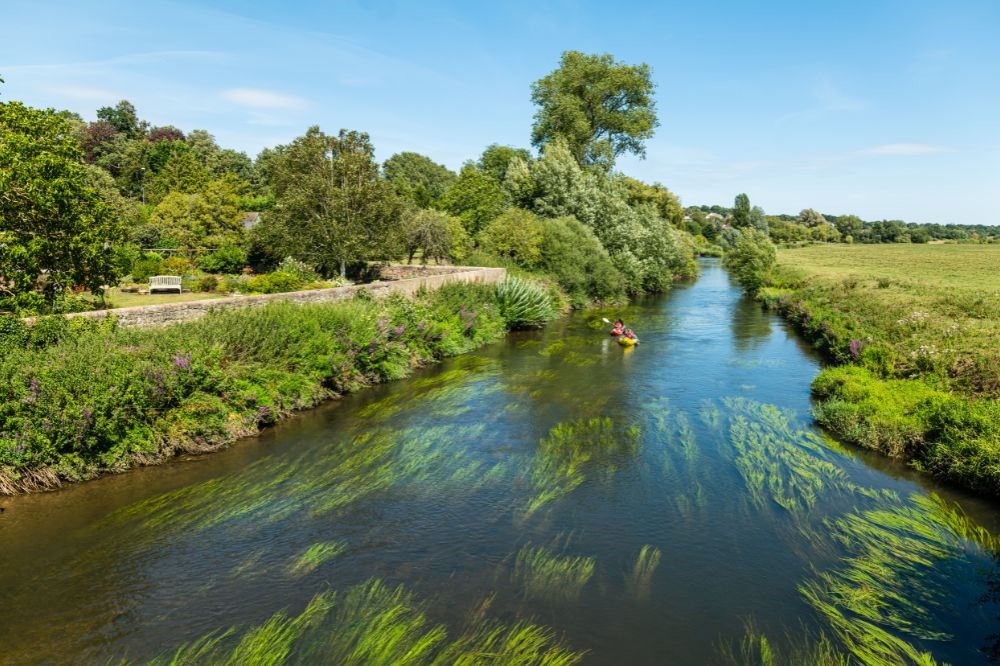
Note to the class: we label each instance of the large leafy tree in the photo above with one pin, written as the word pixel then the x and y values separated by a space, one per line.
pixel 56 230
pixel 496 159
pixel 602 108
pixel 418 177
pixel 332 205
pixel 811 218
pixel 668 206
pixel 849 225
pixel 741 211
pixel 124 118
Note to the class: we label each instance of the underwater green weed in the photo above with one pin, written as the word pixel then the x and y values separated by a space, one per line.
pixel 314 556
pixel 543 574
pixel 640 577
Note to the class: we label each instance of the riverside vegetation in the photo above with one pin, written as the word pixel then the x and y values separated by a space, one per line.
pixel 78 399
pixel 912 330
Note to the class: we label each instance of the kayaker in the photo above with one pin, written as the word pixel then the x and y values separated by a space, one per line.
pixel 619 327
pixel 630 334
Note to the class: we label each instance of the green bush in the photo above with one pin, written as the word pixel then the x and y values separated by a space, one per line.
pixel 150 264
pixel 750 259
pixel 228 259
pixel 207 283
pixel 523 304
pixel 571 253
pixel 274 283
pixel 515 235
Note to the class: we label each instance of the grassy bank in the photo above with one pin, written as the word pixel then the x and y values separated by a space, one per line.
pixel 78 398
pixel 912 330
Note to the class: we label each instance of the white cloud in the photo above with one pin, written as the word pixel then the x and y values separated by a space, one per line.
pixel 263 99
pixel 905 149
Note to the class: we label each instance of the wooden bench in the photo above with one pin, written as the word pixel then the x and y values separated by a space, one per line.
pixel 164 283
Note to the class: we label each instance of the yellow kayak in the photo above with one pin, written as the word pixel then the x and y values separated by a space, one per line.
pixel 627 342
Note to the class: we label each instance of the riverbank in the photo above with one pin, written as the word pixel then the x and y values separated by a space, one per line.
pixel 81 397
pixel 912 332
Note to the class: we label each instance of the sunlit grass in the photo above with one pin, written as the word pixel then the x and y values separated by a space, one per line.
pixel 756 649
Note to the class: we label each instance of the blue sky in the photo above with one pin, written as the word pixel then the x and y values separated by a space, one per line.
pixel 883 109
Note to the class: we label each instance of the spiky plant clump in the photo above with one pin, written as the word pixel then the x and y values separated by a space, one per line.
pixel 546 575
pixel 523 304
pixel 315 555
pixel 641 577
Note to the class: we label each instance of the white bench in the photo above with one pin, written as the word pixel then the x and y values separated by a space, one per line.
pixel 165 283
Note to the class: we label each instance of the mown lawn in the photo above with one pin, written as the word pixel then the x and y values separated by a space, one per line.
pixel 116 298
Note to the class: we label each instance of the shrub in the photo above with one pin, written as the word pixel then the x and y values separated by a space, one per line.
pixel 13 333
pixel 207 283
pixel 515 235
pixel 523 304
pixel 227 259
pixel 150 264
pixel 571 253
pixel 750 259
pixel 176 265
pixel 274 283
pixel 299 269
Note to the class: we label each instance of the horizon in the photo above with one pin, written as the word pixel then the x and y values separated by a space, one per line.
pixel 884 112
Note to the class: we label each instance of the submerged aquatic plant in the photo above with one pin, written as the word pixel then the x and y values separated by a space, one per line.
pixel 545 575
pixel 756 649
pixel 640 578
pixel 894 580
pixel 573 451
pixel 372 624
pixel 315 555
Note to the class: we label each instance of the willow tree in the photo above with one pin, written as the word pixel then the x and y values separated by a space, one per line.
pixel 332 205
pixel 600 107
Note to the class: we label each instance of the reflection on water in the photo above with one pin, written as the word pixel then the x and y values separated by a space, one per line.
pixel 549 499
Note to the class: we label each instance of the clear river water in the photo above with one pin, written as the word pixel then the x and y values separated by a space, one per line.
pixel 644 506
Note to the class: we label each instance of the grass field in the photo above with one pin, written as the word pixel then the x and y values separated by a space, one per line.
pixel 914 331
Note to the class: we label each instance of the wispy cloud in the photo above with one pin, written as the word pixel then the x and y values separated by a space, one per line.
pixel 905 149
pixel 832 97
pixel 263 99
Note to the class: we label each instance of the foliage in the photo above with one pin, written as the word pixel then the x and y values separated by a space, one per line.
pixel 209 217
pixel 54 225
pixel 751 259
pixel 523 304
pixel 515 235
pixel 476 198
pixel 332 206
pixel 668 206
pixel 811 218
pixel 418 177
pixel 571 253
pixel 496 160
pixel 227 259
pixel 123 118
pixel 601 108
pixel 435 235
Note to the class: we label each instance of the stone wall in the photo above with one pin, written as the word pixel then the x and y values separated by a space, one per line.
pixel 144 316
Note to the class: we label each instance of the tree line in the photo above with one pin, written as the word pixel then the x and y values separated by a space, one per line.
pixel 83 204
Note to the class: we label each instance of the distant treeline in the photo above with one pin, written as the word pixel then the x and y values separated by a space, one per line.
pixel 803 226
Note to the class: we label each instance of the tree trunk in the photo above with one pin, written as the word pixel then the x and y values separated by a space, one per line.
pixel 343 268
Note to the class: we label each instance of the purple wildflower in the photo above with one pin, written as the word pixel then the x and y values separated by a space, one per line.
pixel 399 330
pixel 183 362
pixel 855 349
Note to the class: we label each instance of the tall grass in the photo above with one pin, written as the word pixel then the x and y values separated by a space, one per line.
pixel 640 577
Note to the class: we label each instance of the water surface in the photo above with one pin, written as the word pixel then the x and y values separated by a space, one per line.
pixel 681 484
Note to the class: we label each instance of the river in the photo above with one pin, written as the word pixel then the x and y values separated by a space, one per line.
pixel 645 505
